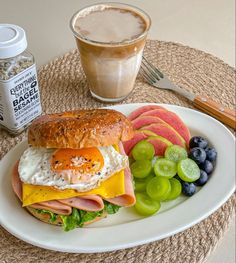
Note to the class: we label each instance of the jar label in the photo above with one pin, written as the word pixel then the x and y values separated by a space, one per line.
pixel 19 100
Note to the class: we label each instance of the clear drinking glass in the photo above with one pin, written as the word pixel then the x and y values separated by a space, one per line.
pixel 111 67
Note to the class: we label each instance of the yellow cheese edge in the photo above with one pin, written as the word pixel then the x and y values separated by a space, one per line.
pixel 112 187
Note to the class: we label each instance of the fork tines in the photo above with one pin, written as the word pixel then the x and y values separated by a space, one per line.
pixel 149 72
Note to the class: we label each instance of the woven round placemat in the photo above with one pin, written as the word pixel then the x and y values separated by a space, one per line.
pixel 63 87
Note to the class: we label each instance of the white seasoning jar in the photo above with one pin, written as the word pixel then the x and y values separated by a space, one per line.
pixel 19 92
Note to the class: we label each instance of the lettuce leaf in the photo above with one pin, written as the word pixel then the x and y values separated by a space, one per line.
pixel 111 208
pixel 78 217
pixel 72 221
pixel 53 216
pixel 88 216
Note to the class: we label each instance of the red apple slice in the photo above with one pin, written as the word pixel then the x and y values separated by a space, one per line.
pixel 167 132
pixel 172 119
pixel 142 121
pixel 133 115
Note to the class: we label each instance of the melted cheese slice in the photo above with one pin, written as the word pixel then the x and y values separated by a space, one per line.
pixel 112 187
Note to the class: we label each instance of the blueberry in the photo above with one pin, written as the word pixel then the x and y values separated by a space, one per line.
pixel 211 154
pixel 202 179
pixel 207 166
pixel 198 155
pixel 188 189
pixel 198 141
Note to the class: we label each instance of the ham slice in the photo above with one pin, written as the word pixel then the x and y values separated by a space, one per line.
pixel 16 182
pixel 127 199
pixel 87 202
pixel 54 206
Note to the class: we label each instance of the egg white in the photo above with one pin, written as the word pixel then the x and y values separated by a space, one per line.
pixel 35 168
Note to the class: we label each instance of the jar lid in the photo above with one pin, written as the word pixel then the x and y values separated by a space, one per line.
pixel 12 40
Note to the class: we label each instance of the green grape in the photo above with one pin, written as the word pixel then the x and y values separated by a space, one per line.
pixel 141 169
pixel 143 150
pixel 188 170
pixel 145 205
pixel 158 188
pixel 175 153
pixel 165 167
pixel 140 184
pixel 176 189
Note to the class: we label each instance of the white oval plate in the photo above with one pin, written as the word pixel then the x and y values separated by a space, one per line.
pixel 126 228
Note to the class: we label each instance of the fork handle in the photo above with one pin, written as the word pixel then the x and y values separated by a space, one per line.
pixel 216 110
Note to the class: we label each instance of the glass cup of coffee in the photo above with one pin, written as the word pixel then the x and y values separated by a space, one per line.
pixel 110 38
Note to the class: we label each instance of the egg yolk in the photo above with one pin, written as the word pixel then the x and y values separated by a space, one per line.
pixel 86 160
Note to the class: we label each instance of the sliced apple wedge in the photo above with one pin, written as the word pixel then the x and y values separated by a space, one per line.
pixel 167 132
pixel 172 119
pixel 133 115
pixel 142 121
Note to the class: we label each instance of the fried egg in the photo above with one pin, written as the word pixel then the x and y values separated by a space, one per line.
pixel 79 169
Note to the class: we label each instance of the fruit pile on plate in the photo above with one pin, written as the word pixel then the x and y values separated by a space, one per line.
pixel 164 160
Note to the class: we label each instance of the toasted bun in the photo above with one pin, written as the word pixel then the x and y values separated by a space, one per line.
pixel 80 129
pixel 58 222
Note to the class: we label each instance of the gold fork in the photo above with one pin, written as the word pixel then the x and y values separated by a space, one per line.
pixel 157 79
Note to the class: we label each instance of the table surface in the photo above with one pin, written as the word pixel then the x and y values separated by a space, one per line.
pixel 208 25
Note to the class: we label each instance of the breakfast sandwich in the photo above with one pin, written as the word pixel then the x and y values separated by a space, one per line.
pixel 75 170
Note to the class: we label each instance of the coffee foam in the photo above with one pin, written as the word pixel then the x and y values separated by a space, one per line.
pixel 109 24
